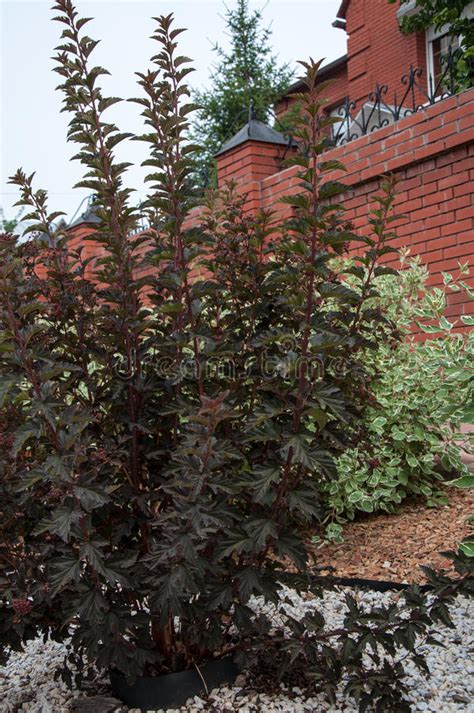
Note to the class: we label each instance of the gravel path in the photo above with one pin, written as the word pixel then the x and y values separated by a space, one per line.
pixel 27 684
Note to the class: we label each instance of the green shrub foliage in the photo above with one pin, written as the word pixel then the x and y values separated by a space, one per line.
pixel 453 16
pixel 171 407
pixel 419 389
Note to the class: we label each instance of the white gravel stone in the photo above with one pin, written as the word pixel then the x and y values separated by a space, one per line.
pixel 27 682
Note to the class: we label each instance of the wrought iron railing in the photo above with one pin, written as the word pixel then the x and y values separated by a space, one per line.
pixel 417 92
pixel 360 118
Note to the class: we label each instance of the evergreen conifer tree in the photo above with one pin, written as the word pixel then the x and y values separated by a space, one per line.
pixel 246 74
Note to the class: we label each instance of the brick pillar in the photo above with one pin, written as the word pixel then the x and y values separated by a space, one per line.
pixel 254 153
pixel 78 234
pixel 249 161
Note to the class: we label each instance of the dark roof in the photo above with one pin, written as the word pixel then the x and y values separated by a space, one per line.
pixel 88 216
pixel 341 13
pixel 254 130
pixel 322 74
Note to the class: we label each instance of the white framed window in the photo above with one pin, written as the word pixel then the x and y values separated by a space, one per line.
pixel 438 42
pixel 437 48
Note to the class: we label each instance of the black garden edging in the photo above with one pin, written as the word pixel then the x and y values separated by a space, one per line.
pixel 172 690
pixel 377 585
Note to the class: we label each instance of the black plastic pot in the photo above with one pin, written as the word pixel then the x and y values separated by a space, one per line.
pixel 173 689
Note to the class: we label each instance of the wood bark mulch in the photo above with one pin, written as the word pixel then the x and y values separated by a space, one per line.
pixel 392 547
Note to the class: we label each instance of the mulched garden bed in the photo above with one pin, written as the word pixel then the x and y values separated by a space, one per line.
pixel 392 547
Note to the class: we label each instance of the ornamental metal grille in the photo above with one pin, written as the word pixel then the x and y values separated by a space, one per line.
pixel 358 119
pixel 415 94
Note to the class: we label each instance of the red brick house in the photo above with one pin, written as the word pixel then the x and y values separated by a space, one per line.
pixel 378 53
pixel 401 114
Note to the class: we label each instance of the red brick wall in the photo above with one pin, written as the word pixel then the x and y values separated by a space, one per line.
pixel 432 155
pixel 253 160
pixel 378 53
pixel 377 50
pixel 334 93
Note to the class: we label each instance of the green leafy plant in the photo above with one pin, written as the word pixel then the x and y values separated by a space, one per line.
pixel 9 225
pixel 419 388
pixel 172 403
pixel 462 408
pixel 467 544
pixel 454 15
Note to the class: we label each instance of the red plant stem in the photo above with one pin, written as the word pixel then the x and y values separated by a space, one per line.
pixel 301 395
pixel 180 260
pixel 29 367
pixel 373 264
pixel 86 536
pixel 131 302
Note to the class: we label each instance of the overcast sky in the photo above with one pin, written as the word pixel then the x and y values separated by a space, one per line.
pixel 32 130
